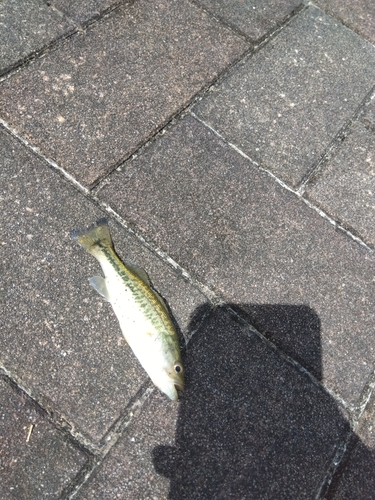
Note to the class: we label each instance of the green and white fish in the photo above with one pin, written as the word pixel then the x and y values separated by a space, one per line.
pixel 142 313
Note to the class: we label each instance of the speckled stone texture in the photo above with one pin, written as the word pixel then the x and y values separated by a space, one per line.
pixel 355 477
pixel 85 10
pixel 255 19
pixel 92 102
pixel 253 242
pixel 128 471
pixel 30 446
pixel 345 187
pixel 26 27
pixel 287 102
pixel 359 15
pixel 249 425
pixel 61 339
pixel 230 145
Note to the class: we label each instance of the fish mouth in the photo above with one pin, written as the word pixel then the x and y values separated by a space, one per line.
pixel 180 386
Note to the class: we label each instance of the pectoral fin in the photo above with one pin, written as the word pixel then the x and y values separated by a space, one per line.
pixel 100 285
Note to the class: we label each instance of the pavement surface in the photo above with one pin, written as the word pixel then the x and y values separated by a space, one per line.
pixel 231 145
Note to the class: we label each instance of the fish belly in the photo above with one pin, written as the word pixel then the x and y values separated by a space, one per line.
pixel 138 329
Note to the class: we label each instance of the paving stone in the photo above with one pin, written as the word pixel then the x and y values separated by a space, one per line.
pixel 253 18
pixel 61 339
pixel 345 187
pixel 242 234
pixel 248 425
pixel 287 102
pixel 356 476
pixel 85 10
pixel 36 465
pixel 27 27
pixel 101 94
pixel 358 15
pixel 128 471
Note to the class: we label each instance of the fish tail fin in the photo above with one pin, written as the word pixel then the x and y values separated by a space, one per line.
pixel 94 237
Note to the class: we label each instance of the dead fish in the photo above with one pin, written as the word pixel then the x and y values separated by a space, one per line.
pixel 141 312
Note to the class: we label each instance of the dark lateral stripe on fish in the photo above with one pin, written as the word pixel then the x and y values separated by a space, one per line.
pixel 141 292
pixel 98 236
pixel 142 314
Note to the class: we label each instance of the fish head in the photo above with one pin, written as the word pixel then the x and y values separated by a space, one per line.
pixel 171 379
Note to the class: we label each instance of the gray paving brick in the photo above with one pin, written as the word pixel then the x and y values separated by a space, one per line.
pixel 135 477
pixel 37 461
pixel 355 477
pixel 253 18
pixel 85 10
pixel 248 426
pixel 91 102
pixel 287 102
pixel 345 187
pixel 243 235
pixel 61 339
pixel 27 27
pixel 358 15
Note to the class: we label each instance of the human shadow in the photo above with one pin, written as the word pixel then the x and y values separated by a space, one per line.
pixel 253 425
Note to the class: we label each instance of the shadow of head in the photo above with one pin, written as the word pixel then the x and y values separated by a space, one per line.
pixel 251 424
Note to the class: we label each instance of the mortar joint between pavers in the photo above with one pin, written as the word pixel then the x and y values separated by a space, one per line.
pixel 348 408
pixel 364 399
pixel 337 458
pixel 211 296
pixel 77 29
pixel 36 54
pixel 40 155
pixel 116 432
pixel 171 121
pixel 237 31
pixel 334 145
pixel 297 192
pixel 46 407
pixel 337 225
pixel 340 20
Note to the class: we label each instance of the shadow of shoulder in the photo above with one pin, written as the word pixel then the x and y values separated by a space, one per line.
pixel 251 424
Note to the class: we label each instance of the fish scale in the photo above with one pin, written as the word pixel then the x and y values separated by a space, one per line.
pixel 137 288
pixel 142 313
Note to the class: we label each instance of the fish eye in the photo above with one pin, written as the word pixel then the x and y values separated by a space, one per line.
pixel 178 368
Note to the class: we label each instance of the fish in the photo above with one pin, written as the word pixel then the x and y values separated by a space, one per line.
pixel 142 313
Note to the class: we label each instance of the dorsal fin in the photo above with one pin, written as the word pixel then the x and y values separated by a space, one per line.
pixel 138 271
pixel 142 275
pixel 161 300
